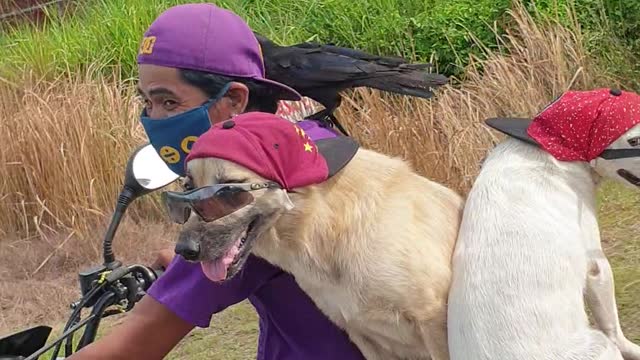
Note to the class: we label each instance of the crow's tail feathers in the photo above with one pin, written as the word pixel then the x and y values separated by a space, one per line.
pixel 412 83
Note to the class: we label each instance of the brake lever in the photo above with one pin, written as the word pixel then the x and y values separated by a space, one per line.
pixel 90 296
pixel 126 283
pixel 126 290
pixel 73 329
pixel 91 330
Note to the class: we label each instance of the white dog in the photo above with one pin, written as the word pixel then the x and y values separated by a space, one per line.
pixel 528 252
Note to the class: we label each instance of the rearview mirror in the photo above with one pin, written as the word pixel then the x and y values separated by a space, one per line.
pixel 149 170
pixel 145 173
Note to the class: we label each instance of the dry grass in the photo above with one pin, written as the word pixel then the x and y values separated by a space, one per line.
pixel 67 141
pixel 446 139
pixel 66 145
pixel 70 138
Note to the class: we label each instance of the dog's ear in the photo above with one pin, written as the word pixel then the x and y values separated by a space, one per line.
pixel 288 204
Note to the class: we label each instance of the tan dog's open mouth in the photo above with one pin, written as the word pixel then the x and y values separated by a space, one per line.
pixel 232 260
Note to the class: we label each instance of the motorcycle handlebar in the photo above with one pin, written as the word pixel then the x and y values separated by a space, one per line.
pixel 122 287
pixel 158 272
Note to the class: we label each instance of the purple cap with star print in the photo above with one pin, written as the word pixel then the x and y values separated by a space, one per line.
pixel 207 38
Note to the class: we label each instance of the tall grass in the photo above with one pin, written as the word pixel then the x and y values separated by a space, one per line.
pixel 446 139
pixel 109 31
pixel 67 139
pixel 65 143
pixel 610 30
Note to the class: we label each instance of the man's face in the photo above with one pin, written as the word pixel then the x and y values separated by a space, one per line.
pixel 165 94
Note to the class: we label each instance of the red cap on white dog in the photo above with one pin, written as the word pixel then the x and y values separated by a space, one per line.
pixel 275 149
pixel 579 125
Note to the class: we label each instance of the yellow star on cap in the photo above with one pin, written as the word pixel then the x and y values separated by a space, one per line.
pixel 308 147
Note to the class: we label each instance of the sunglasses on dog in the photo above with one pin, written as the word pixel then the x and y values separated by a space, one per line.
pixel 211 202
pixel 611 154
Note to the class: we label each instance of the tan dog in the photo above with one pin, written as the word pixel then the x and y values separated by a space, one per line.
pixel 371 245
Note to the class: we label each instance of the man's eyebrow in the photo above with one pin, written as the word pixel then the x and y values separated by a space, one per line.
pixel 157 91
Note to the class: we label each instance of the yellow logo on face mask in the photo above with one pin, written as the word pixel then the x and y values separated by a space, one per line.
pixel 147 45
pixel 169 154
pixel 187 143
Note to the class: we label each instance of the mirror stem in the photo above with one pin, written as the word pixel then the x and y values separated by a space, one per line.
pixel 124 199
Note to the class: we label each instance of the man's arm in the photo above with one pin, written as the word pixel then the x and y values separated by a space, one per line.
pixel 149 331
pixel 179 300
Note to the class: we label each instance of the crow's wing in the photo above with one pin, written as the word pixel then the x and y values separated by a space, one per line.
pixel 310 67
pixel 353 53
pixel 313 68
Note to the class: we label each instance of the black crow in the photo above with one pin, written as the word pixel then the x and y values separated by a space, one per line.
pixel 322 72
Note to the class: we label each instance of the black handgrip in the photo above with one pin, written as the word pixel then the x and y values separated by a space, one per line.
pixel 159 272
pixel 117 274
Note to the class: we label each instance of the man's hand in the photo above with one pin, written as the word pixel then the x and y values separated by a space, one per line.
pixel 163 259
pixel 148 332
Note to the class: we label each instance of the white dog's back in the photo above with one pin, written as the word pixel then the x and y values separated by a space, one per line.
pixel 522 235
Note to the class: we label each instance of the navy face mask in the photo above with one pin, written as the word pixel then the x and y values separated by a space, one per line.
pixel 172 137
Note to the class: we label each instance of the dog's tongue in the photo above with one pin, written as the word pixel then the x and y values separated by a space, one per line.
pixel 217 270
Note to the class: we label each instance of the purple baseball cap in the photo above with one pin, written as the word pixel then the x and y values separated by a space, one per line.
pixel 207 38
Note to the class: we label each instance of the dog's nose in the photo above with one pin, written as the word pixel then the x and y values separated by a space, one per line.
pixel 188 249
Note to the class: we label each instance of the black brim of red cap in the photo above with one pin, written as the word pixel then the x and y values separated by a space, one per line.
pixel 514 127
pixel 337 152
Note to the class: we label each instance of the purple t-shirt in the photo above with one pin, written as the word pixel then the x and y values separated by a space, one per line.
pixel 291 326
